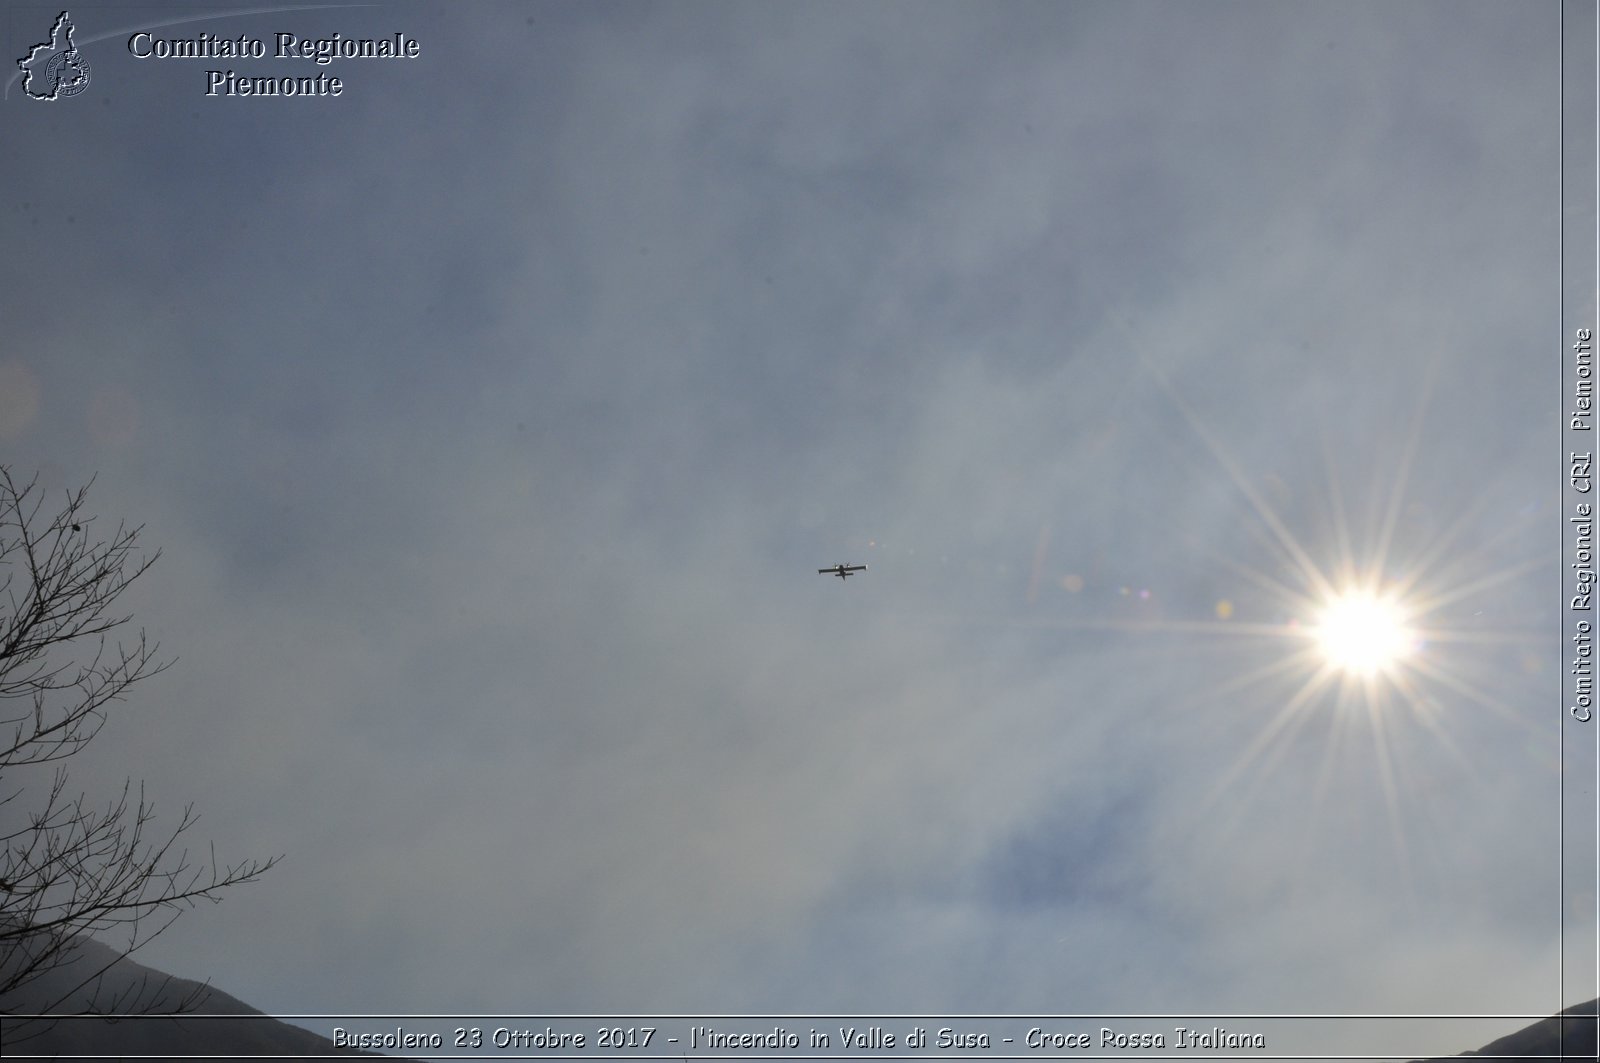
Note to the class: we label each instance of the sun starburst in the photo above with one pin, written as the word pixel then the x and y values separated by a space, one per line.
pixel 1365 633
pixel 1348 659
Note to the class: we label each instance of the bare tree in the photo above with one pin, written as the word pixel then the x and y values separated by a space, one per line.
pixel 73 869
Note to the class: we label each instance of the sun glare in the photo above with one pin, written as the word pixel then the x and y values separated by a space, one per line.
pixel 1364 634
pixel 1362 638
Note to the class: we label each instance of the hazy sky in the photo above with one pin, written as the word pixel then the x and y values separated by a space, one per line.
pixel 494 417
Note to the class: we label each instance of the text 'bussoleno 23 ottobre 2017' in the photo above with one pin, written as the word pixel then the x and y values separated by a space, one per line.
pixel 284 46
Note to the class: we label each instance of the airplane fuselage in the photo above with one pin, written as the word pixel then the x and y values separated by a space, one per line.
pixel 841 570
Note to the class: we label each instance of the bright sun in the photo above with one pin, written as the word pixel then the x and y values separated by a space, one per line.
pixel 1364 634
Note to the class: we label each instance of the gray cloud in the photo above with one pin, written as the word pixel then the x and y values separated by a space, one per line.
pixel 494 416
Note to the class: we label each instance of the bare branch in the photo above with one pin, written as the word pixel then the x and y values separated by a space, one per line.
pixel 73 870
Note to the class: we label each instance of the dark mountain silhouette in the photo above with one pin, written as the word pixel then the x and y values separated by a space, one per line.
pixel 1570 1035
pixel 129 987
pixel 126 987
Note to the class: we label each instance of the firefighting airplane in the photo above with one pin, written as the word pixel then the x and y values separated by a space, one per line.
pixel 842 571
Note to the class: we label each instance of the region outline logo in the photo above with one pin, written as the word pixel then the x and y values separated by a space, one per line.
pixel 65 72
